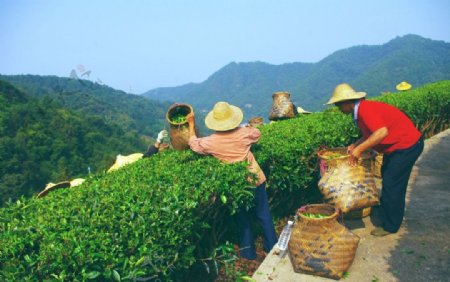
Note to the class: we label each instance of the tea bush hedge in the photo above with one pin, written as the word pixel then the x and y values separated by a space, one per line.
pixel 427 106
pixel 146 220
pixel 287 154
pixel 287 149
pixel 153 219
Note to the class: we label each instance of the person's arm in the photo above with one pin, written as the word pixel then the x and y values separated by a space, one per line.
pixel 190 118
pixel 254 134
pixel 352 146
pixel 195 143
pixel 153 149
pixel 374 139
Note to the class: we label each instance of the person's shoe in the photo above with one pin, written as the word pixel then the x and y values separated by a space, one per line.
pixel 379 231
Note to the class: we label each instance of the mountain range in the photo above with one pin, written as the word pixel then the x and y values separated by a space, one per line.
pixel 372 69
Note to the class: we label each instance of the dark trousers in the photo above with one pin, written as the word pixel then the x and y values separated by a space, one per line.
pixel 243 218
pixel 396 169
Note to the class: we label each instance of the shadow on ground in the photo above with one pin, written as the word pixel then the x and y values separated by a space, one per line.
pixel 423 252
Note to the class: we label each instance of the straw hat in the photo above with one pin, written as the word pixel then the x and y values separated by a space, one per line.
pixel 344 92
pixel 52 186
pixel 224 117
pixel 402 86
pixel 124 160
pixel 300 110
pixel 255 121
pixel 76 182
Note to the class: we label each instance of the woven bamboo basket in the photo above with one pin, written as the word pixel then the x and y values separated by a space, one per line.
pixel 357 214
pixel 256 121
pixel 376 165
pixel 179 132
pixel 332 157
pixel 282 107
pixel 348 187
pixel 323 246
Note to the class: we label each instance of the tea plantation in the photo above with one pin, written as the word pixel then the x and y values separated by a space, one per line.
pixel 157 218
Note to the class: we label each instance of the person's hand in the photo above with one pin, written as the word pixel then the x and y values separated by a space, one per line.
pixel 355 154
pixel 161 135
pixel 190 118
pixel 350 148
pixel 163 147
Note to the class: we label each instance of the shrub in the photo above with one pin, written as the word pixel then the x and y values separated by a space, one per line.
pixel 287 154
pixel 149 219
pixel 427 106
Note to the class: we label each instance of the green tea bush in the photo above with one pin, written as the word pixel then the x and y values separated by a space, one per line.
pixel 287 149
pixel 287 154
pixel 150 219
pixel 427 106
pixel 155 218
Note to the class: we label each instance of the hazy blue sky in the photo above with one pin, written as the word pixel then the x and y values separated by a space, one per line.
pixel 139 45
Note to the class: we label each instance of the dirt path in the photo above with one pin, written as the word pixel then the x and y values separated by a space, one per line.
pixel 420 251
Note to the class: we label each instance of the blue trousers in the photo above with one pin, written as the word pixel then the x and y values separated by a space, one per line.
pixel 395 171
pixel 243 218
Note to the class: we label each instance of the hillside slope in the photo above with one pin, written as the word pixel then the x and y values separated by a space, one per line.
pixel 373 69
pixel 40 141
pixel 132 113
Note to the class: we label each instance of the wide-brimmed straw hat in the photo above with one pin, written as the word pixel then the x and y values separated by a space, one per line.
pixel 344 92
pixel 76 182
pixel 52 186
pixel 402 86
pixel 224 117
pixel 124 160
pixel 300 110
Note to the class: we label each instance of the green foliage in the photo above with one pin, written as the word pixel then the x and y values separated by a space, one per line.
pixel 287 154
pixel 42 142
pixel 114 107
pixel 427 106
pixel 157 217
pixel 373 69
pixel 149 219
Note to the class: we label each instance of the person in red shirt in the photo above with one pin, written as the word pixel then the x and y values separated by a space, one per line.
pixel 387 130
pixel 231 143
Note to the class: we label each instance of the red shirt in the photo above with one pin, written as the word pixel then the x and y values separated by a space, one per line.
pixel 402 133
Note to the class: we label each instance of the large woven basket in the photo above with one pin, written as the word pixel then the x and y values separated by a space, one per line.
pixel 179 132
pixel 282 107
pixel 357 214
pixel 323 246
pixel 347 187
pixel 332 157
pixel 256 121
pixel 376 164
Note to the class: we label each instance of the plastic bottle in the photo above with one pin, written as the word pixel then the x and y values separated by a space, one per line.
pixel 285 235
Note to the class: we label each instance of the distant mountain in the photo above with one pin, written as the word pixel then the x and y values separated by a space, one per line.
pixel 373 69
pixel 133 113
pixel 41 142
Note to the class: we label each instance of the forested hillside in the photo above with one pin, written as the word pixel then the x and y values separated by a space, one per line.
pixel 41 141
pixel 373 69
pixel 132 113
